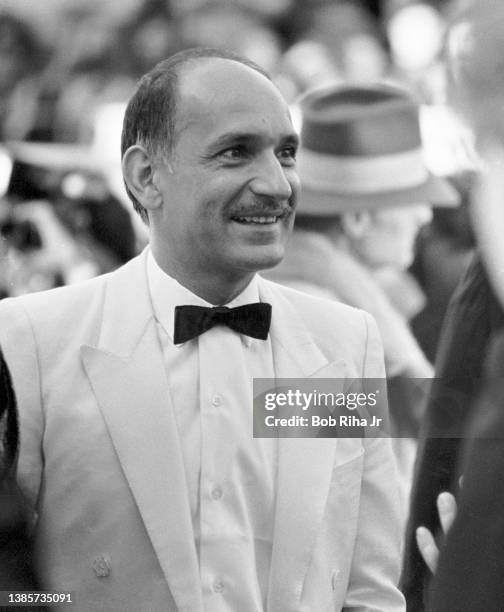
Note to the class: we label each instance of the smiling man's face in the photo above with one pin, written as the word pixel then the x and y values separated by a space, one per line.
pixel 229 185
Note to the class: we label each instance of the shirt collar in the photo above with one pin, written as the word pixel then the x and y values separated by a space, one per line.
pixel 166 293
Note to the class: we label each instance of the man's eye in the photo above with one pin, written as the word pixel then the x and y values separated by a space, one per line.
pixel 288 154
pixel 234 153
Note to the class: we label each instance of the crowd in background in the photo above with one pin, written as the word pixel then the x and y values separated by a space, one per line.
pixel 66 72
pixel 91 56
pixel 62 66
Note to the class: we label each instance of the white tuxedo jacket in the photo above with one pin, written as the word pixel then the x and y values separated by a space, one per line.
pixel 101 462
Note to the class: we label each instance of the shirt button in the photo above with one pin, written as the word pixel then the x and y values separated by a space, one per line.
pixel 218 586
pixel 217 400
pixel 217 493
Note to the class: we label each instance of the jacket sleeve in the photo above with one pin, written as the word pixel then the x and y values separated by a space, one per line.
pixel 376 561
pixel 20 351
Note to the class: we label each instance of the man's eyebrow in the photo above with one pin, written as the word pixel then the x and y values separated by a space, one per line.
pixel 229 137
pixel 242 137
pixel 291 139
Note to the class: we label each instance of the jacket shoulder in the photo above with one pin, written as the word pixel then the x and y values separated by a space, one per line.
pixel 315 306
pixel 61 316
pixel 54 305
pixel 334 327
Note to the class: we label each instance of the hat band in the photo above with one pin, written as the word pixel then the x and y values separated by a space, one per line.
pixel 348 175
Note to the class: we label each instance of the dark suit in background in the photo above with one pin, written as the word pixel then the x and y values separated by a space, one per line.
pixel 471 565
pixel 473 317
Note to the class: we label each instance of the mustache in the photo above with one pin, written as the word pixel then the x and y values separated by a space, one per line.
pixel 265 207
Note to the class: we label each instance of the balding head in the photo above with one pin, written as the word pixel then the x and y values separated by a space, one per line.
pixel 150 118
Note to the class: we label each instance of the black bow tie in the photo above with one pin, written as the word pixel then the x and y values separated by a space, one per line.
pixel 252 320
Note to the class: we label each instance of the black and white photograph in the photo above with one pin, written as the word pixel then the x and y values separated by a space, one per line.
pixel 252 305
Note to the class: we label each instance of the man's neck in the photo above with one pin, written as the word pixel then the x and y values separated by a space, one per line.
pixel 212 288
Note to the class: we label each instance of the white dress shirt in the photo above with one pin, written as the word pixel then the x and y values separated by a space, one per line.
pixel 231 477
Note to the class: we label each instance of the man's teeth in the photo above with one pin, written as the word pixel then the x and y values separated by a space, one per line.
pixel 256 219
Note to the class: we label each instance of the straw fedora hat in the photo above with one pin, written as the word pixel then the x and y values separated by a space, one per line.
pixel 362 150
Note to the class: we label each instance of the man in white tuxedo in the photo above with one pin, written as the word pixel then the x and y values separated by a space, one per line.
pixel 136 428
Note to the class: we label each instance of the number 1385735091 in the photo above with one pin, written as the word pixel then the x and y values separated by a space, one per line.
pixel 34 598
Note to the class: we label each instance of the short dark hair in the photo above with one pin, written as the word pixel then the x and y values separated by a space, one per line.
pixel 150 115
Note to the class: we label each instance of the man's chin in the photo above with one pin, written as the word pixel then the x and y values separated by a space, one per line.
pixel 264 261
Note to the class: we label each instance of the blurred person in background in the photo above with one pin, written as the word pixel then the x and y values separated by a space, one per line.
pixel 473 320
pixel 232 26
pixel 443 252
pixel 88 70
pixel 464 433
pixel 353 39
pixel 22 57
pixel 52 234
pixel 339 42
pixel 59 220
pixel 149 35
pixel 365 195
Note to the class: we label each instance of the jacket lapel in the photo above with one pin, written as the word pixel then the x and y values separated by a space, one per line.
pixel 128 377
pixel 305 465
pixel 295 354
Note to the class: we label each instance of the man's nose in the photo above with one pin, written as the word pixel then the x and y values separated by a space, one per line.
pixel 272 179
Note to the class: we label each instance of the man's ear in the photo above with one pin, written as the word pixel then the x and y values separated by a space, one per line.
pixel 355 225
pixel 139 174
